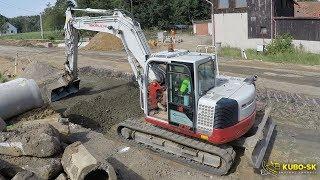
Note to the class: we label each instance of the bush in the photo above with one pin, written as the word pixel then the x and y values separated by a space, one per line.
pixel 2 78
pixel 281 44
pixel 51 38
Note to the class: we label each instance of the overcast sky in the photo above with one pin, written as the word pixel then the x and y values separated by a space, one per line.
pixel 13 8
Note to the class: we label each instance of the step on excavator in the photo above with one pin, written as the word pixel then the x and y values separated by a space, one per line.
pixel 193 114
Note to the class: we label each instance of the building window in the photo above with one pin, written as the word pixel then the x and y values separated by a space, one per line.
pixel 223 4
pixel 241 3
pixel 263 30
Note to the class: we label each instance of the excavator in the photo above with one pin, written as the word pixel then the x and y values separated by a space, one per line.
pixel 192 114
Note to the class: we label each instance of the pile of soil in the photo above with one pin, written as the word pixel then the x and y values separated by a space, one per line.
pixel 101 103
pixel 104 42
pixel 28 43
pixel 40 72
pixel 39 113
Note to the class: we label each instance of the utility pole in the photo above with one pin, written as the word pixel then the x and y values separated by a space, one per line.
pixel 41 27
pixel 213 23
pixel 15 65
pixel 272 21
pixel 131 7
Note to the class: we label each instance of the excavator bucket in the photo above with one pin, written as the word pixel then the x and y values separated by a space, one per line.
pixel 63 90
pixel 258 138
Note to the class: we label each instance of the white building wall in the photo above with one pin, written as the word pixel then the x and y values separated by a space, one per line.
pixel 11 29
pixel 194 28
pixel 232 30
pixel 210 28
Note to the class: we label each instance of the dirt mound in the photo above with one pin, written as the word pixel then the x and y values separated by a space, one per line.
pixel 101 102
pixel 39 113
pixel 104 42
pixel 28 43
pixel 104 111
pixel 39 71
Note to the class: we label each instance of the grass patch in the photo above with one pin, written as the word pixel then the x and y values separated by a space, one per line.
pixel 2 78
pixel 294 57
pixel 51 35
pixel 230 52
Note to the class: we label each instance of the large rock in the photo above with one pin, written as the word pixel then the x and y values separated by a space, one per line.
pixel 43 168
pixel 2 178
pixel 25 175
pixel 79 164
pixel 3 125
pixel 55 120
pixel 38 141
pixel 62 176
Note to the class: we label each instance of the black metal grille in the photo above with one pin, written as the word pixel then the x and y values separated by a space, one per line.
pixel 226 113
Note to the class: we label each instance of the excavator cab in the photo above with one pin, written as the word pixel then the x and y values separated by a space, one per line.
pixel 188 76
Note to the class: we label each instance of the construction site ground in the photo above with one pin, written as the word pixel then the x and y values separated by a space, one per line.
pixel 105 101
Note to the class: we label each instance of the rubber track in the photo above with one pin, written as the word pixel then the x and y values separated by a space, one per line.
pixel 226 153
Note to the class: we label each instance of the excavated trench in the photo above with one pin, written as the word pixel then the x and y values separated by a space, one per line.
pixel 105 99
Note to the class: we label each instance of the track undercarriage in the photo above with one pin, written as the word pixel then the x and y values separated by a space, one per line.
pixel 215 159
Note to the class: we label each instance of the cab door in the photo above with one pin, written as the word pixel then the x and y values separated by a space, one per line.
pixel 181 101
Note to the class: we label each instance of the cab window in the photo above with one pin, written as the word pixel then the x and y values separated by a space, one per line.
pixel 206 77
pixel 180 85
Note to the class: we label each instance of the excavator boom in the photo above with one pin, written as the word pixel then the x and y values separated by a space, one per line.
pixel 115 22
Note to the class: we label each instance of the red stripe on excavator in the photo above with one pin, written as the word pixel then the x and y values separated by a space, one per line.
pixel 221 136
pixel 218 136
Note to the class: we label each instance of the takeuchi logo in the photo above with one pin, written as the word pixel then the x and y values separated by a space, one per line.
pixel 98 25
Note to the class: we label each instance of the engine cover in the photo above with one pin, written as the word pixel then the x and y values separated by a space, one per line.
pixel 231 101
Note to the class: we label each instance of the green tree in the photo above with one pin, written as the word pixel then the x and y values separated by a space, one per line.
pixel 150 13
pixel 156 13
pixel 3 21
pixel 26 23
pixel 53 16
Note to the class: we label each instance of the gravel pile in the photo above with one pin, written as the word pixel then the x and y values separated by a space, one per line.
pixel 104 42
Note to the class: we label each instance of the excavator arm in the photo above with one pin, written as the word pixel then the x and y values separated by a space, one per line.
pixel 115 22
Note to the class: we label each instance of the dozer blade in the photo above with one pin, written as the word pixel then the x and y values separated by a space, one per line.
pixel 258 141
pixel 65 90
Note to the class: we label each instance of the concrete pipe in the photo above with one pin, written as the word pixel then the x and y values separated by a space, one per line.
pixel 18 96
pixel 80 164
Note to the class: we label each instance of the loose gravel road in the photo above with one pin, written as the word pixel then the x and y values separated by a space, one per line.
pixel 105 101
